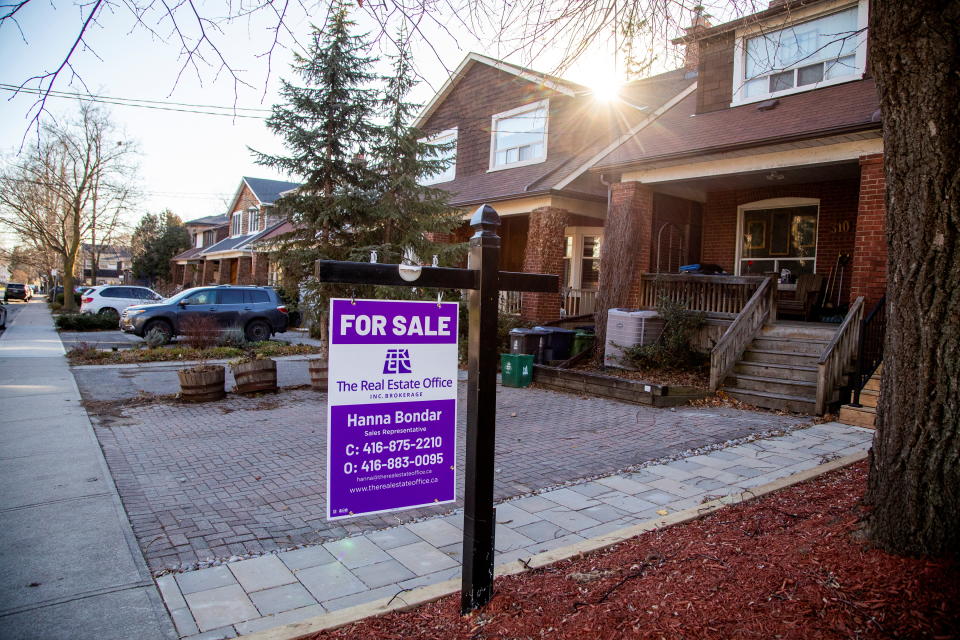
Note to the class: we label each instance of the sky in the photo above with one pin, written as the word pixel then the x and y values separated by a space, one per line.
pixel 192 162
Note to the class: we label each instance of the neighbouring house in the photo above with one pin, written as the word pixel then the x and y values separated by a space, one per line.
pixel 523 143
pixel 771 166
pixel 113 263
pixel 226 248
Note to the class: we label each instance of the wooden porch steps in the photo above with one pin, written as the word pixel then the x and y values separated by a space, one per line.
pixel 778 369
pixel 866 414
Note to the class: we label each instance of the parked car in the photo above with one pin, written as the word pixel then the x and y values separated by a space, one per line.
pixel 17 291
pixel 3 316
pixel 257 311
pixel 111 300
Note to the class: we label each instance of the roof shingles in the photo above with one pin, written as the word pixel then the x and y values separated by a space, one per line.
pixel 681 131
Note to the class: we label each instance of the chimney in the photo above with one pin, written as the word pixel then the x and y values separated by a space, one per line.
pixel 691 57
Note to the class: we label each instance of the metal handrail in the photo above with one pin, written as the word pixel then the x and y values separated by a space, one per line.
pixel 870 347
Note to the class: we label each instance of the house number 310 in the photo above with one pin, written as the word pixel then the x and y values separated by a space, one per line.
pixel 841 227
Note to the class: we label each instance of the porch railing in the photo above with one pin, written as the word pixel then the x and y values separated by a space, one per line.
pixel 723 296
pixel 870 351
pixel 838 355
pixel 760 308
pixel 578 302
pixel 510 302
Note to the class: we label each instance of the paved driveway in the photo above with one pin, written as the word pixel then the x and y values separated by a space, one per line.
pixel 247 475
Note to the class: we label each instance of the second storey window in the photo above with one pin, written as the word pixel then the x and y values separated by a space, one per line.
pixel 803 56
pixel 235 224
pixel 519 136
pixel 253 220
pixel 448 137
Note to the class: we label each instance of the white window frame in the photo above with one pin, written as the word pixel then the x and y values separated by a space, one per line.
pixel 236 224
pixel 251 217
pixel 576 257
pixel 798 17
pixel 450 173
pixel 533 106
pixel 774 203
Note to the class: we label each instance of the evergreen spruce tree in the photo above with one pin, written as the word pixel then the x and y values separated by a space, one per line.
pixel 326 125
pixel 405 209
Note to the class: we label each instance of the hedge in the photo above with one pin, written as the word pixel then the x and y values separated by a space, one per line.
pixel 85 322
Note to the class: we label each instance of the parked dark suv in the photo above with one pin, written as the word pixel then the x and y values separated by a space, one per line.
pixel 256 310
pixel 17 292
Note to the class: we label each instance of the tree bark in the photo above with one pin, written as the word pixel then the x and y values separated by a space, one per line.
pixel 914 483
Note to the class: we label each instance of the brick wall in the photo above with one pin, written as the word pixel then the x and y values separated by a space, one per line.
pixel 715 73
pixel 836 229
pixel 544 254
pixel 244 201
pixel 261 269
pixel 870 253
pixel 245 270
pixel 209 273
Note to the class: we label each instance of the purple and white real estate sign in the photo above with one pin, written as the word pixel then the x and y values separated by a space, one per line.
pixel 392 406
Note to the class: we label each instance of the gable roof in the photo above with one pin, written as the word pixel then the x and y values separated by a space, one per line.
pixel 641 101
pixel 536 77
pixel 681 132
pixel 268 191
pixel 209 221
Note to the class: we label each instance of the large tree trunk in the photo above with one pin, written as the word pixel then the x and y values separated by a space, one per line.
pixel 914 485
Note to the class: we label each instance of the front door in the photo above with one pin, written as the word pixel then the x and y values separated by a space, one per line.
pixel 234 265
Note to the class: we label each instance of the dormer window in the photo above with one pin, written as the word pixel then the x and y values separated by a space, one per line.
pixel 519 136
pixel 825 50
pixel 448 174
pixel 253 220
pixel 236 224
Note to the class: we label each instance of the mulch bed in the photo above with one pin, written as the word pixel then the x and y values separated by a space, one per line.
pixel 699 378
pixel 788 565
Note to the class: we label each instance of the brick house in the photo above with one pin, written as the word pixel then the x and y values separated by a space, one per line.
pixel 524 143
pixel 225 247
pixel 773 162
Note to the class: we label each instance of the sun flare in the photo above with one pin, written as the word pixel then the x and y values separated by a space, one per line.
pixel 605 87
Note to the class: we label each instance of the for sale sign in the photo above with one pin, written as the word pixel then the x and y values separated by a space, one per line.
pixel 392 406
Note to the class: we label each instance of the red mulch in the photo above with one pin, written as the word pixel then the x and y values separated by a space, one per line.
pixel 784 566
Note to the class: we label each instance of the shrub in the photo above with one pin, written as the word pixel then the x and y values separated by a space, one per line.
pixel 200 331
pixel 155 338
pixel 59 299
pixel 672 349
pixel 232 337
pixel 85 322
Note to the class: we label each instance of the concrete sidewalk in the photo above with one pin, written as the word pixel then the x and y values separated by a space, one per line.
pixel 247 596
pixel 69 564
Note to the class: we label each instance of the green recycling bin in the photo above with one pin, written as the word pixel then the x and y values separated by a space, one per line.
pixel 582 341
pixel 516 369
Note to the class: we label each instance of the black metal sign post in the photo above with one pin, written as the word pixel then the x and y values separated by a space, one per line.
pixel 484 282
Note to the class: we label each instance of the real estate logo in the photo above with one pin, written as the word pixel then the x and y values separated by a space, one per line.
pixel 397 361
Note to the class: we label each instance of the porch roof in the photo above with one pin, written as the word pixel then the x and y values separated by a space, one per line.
pixel 192 253
pixel 682 132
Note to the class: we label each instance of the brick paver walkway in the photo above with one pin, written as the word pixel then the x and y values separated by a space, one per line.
pixel 274 589
pixel 247 475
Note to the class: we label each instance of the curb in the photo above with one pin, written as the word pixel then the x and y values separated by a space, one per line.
pixel 422 595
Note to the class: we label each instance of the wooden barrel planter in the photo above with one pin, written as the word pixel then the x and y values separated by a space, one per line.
pixel 202 384
pixel 318 374
pixel 255 376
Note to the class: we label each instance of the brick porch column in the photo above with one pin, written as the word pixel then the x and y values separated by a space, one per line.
pixel 245 270
pixel 207 275
pixel 544 254
pixel 261 269
pixel 223 276
pixel 869 268
pixel 626 250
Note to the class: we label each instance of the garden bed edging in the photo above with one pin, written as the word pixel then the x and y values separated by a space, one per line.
pixel 615 388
